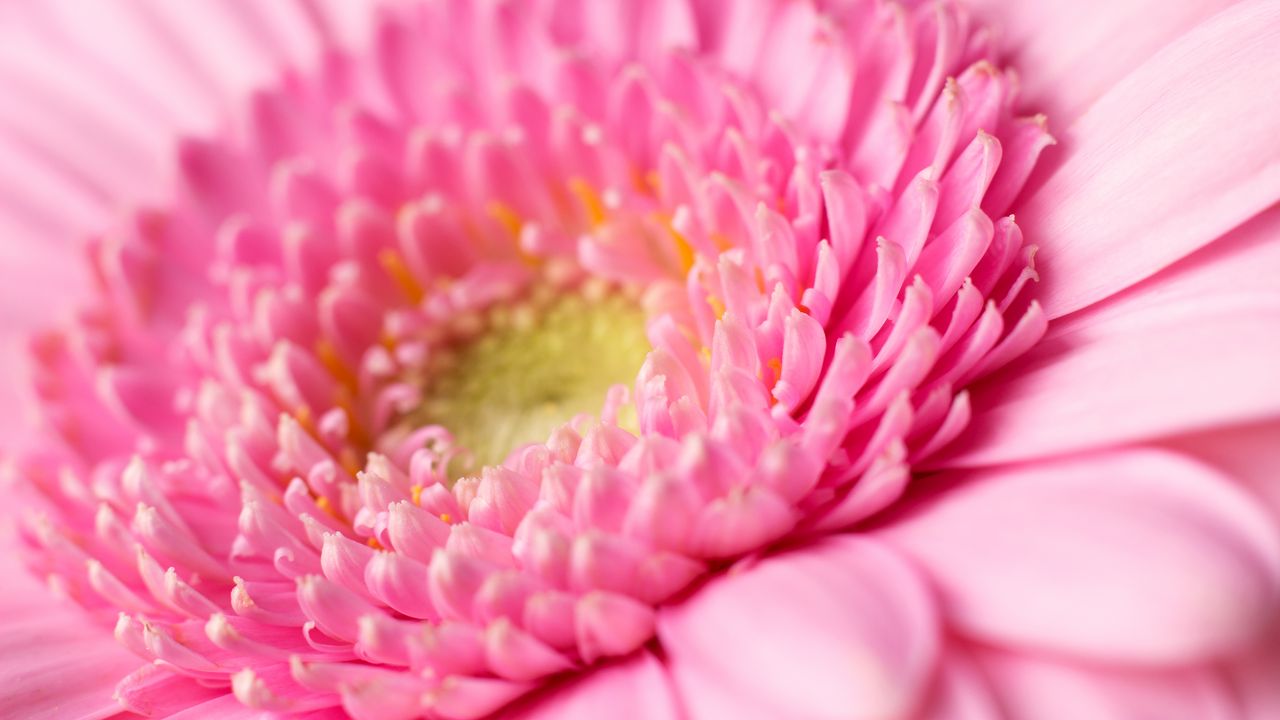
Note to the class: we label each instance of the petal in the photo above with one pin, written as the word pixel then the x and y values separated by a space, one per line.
pixel 1033 689
pixel 1054 45
pixel 960 692
pixel 1254 679
pixel 226 707
pixel 16 396
pixel 1159 371
pixel 54 662
pixel 635 689
pixel 92 87
pixel 1249 454
pixel 1139 556
pixel 840 629
pixel 157 691
pixel 1244 261
pixel 1184 149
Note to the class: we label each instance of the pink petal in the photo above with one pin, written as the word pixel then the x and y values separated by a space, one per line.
pixel 1244 261
pixel 1155 372
pixel 1093 213
pixel 842 629
pixel 1134 556
pixel 1254 679
pixel 607 624
pixel 54 661
pixel 1034 689
pixel 91 143
pixel 101 88
pixel 40 282
pixel 157 691
pixel 960 692
pixel 16 424
pixel 1054 45
pixel 635 689
pixel 1249 454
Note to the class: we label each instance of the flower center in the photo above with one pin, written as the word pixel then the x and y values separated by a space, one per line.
pixel 532 367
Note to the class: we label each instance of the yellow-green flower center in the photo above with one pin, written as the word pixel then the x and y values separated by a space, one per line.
pixel 531 370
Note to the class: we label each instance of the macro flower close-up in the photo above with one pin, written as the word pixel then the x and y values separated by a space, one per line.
pixel 641 359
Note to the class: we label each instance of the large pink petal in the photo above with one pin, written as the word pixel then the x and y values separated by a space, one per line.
pixel 1054 45
pixel 1140 556
pixel 97 94
pixel 75 120
pixel 1254 678
pixel 1036 689
pixel 1161 370
pixel 1245 261
pixel 960 692
pixel 54 662
pixel 38 286
pixel 1177 154
pixel 635 689
pixel 840 629
pixel 1250 454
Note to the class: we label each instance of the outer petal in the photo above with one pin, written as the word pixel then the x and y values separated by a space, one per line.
pixel 1250 454
pixel 960 692
pixel 1137 556
pixel 1034 689
pixel 1245 261
pixel 840 629
pixel 1143 184
pixel 54 662
pixel 14 425
pixel 636 689
pixel 1054 45
pixel 1159 371
pixel 1254 678
pixel 92 87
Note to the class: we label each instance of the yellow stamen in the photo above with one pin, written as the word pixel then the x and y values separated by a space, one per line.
pixel 328 356
pixel 416 494
pixel 355 431
pixel 506 216
pixel 653 180
pixel 596 213
pixel 373 543
pixel 302 414
pixel 684 250
pixel 350 461
pixel 775 364
pixel 396 269
pixel 717 305
pixel 387 341
pixel 324 504
pixel 447 518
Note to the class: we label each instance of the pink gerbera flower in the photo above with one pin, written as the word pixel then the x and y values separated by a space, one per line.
pixel 648 359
